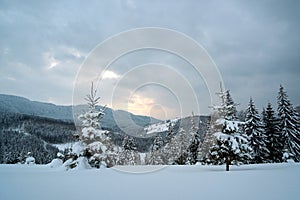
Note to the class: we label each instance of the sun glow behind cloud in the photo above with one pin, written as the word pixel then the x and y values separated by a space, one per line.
pixel 141 105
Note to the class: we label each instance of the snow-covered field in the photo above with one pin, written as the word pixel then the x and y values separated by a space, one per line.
pixel 255 182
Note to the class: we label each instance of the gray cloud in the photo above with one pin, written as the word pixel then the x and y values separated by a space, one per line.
pixel 255 44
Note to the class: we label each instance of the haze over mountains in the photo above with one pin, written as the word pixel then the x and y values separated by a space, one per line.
pixel 21 105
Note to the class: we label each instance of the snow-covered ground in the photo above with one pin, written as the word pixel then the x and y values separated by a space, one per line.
pixel 159 127
pixel 255 182
pixel 64 146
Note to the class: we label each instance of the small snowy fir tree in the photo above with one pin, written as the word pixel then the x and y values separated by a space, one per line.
pixel 96 141
pixel 256 136
pixel 156 156
pixel 69 154
pixel 230 145
pixel 289 127
pixel 30 160
pixel 192 151
pixel 128 154
pixel 58 161
pixel 274 137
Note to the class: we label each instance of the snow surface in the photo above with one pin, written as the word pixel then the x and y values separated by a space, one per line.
pixel 255 182
pixel 77 147
pixel 159 127
pixel 30 160
pixel 55 163
pixel 230 125
pixel 63 146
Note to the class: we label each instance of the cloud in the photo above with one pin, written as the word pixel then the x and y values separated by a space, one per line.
pixel 10 78
pixel 51 62
pixel 110 75
pixel 255 44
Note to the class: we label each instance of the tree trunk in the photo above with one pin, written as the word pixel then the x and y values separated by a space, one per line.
pixel 227 163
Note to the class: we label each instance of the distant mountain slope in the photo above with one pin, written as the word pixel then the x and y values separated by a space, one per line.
pixel 20 134
pixel 16 104
pixel 49 130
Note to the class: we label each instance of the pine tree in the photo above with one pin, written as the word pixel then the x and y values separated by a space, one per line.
pixel 156 156
pixel 274 137
pixel 229 107
pixel 289 127
pixel 170 133
pixel 181 142
pixel 208 139
pixel 230 145
pixel 30 160
pixel 128 155
pixel 192 151
pixel 169 148
pixel 96 142
pixel 175 150
pixel 256 136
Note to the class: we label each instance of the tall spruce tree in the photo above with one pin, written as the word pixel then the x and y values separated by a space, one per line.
pixel 289 127
pixel 256 136
pixel 274 137
pixel 192 151
pixel 181 142
pixel 170 133
pixel 156 156
pixel 207 140
pixel 175 150
pixel 230 145
pixel 170 149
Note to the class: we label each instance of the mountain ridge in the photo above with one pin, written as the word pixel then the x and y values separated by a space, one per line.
pixel 22 105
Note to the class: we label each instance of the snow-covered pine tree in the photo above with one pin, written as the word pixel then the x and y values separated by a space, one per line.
pixel 230 145
pixel 169 149
pixel 181 143
pixel 96 142
pixel 58 161
pixel 208 140
pixel 128 154
pixel 156 156
pixel 192 151
pixel 229 107
pixel 175 150
pixel 289 127
pixel 30 160
pixel 256 136
pixel 170 133
pixel 274 137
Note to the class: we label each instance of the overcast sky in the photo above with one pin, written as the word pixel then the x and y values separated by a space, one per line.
pixel 255 45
